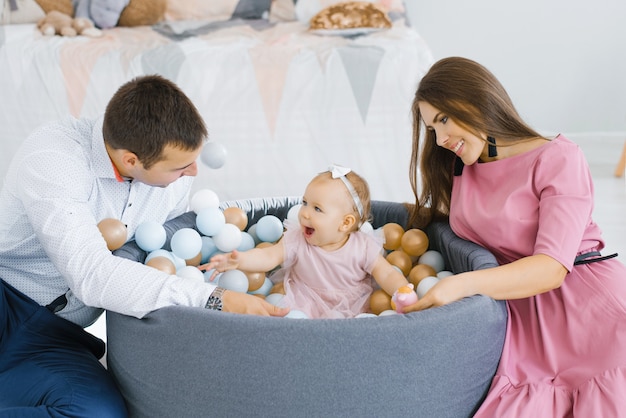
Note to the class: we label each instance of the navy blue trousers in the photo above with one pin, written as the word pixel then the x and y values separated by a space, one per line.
pixel 49 366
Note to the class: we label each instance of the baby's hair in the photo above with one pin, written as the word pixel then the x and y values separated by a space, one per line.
pixel 362 190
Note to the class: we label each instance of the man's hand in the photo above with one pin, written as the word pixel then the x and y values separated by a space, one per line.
pixel 243 303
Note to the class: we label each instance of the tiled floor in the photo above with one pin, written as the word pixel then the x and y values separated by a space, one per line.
pixel 610 198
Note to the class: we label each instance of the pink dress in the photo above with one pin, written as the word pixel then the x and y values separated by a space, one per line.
pixel 328 284
pixel 565 350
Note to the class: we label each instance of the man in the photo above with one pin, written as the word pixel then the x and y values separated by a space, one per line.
pixel 134 164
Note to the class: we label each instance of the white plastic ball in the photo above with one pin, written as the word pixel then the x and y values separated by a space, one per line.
pixel 190 272
pixel 294 313
pixel 366 315
pixel 425 284
pixel 388 312
pixel 208 274
pixel 208 249
pixel 444 273
pixel 159 253
pixel 228 239
pixel 150 236
pixel 213 154
pixel 269 228
pixel 265 288
pixel 178 261
pixel 367 228
pixel 274 298
pixel 292 214
pixel 234 280
pixel 432 258
pixel 186 243
pixel 252 232
pixel 210 221
pixel 202 199
pixel 247 242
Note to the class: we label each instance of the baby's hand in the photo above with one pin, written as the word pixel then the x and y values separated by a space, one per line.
pixel 221 262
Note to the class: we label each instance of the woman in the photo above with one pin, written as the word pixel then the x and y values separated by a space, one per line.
pixel 528 199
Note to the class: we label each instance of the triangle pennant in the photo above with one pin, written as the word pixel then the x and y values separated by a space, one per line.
pixel 361 64
pixel 271 65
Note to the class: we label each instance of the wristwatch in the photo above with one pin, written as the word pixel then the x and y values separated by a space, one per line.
pixel 215 300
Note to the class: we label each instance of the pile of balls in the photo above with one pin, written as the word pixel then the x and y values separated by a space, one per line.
pixel 224 230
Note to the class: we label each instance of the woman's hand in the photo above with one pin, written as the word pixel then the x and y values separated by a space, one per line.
pixel 445 291
pixel 243 303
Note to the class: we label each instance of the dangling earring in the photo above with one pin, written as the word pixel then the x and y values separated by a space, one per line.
pixel 491 148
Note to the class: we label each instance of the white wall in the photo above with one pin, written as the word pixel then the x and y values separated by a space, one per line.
pixel 562 61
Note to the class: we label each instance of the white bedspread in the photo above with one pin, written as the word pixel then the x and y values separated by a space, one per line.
pixel 285 103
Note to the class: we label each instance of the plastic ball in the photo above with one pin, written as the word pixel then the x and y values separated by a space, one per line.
pixel 208 249
pixel 159 253
pixel 247 242
pixel 190 272
pixel 162 263
pixel 255 280
pixel 388 312
pixel 203 199
pixel 265 288
pixel 234 280
pixel 366 315
pixel 210 221
pixel 293 212
pixel 420 271
pixel 236 216
pixel 213 154
pixel 114 233
pixel 366 228
pixel 294 313
pixel 150 236
pixel 401 260
pixel 178 261
pixel 424 286
pixel 194 261
pixel 379 301
pixel 252 232
pixel 186 243
pixel 274 298
pixel 393 235
pixel 414 242
pixel 444 273
pixel 269 228
pixel 434 259
pixel 228 239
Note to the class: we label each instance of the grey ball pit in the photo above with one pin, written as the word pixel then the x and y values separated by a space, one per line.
pixel 191 362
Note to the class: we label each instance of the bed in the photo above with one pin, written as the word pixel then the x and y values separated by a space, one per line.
pixel 194 362
pixel 285 102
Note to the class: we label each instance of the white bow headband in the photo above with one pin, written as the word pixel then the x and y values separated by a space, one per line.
pixel 339 172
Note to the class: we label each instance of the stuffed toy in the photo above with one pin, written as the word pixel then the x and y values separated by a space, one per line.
pixel 58 23
pixel 110 13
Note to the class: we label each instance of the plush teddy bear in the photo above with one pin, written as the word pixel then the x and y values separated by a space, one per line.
pixel 110 13
pixel 58 23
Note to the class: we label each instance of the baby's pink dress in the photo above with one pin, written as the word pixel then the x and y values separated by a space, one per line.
pixel 328 284
pixel 565 350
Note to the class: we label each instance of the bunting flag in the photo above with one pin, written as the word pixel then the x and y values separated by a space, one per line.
pixel 165 60
pixel 361 64
pixel 271 65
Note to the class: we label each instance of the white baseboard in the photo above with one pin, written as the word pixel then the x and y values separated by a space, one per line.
pixel 600 147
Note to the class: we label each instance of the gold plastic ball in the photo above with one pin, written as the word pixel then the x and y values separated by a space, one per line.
pixel 379 301
pixel 236 216
pixel 401 260
pixel 393 236
pixel 162 263
pixel 114 232
pixel 414 242
pixel 419 272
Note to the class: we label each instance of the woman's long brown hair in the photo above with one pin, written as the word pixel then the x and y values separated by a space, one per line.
pixel 469 94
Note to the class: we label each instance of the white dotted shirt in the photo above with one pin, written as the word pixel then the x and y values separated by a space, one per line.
pixel 59 185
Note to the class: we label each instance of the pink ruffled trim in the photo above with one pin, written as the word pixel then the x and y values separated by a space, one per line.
pixel 602 396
